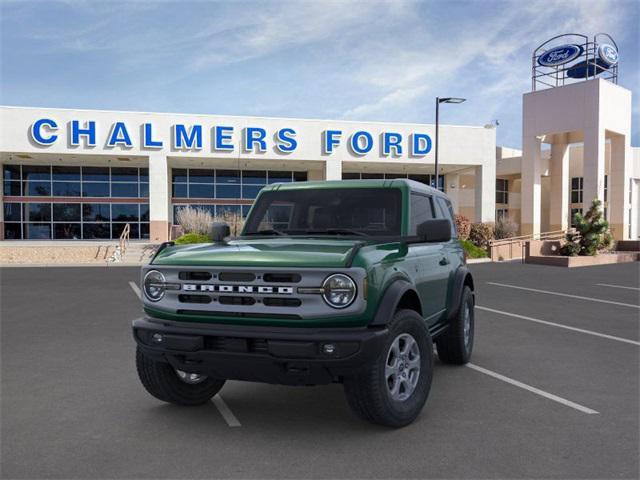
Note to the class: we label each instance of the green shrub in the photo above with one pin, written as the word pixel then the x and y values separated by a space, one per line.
pixel 188 238
pixel 592 233
pixel 463 226
pixel 481 234
pixel 472 250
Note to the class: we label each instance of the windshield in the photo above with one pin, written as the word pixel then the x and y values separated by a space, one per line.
pixel 327 211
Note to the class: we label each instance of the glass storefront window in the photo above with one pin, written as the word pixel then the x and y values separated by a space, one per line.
pixel 74 219
pixel 66 173
pixel 92 189
pixel 96 231
pixel 72 231
pixel 227 176
pixel 66 212
pixel 12 188
pixel 129 190
pixel 37 212
pixel 254 177
pixel 37 189
pixel 197 190
pixel 66 189
pixel 95 174
pixel 228 191
pixel 37 231
pixel 12 231
pixel 36 172
pixel 96 212
pixel 12 212
pixel 124 212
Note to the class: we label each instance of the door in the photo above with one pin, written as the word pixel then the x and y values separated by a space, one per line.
pixel 429 261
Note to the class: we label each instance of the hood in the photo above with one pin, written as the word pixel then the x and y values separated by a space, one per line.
pixel 272 252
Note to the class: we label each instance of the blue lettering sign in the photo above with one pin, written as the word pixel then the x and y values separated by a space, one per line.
pixel 37 134
pixel 89 131
pixel 331 140
pixel 183 139
pixel 391 140
pixel 253 136
pixel 119 136
pixel 286 142
pixel 147 138
pixel 608 54
pixel 421 144
pixel 357 146
pixel 222 136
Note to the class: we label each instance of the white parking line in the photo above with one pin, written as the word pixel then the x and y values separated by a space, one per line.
pixel 535 390
pixel 566 295
pixel 135 289
pixel 566 327
pixel 617 286
pixel 225 411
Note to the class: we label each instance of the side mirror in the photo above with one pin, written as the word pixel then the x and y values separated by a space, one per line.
pixel 219 231
pixel 435 230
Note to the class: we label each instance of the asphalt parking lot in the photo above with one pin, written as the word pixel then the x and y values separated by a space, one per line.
pixel 552 391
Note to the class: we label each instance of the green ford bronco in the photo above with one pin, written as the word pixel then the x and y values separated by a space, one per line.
pixel 339 281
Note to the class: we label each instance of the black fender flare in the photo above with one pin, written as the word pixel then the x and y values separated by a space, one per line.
pixel 457 286
pixel 390 300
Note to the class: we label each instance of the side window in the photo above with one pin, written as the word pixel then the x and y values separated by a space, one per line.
pixel 421 210
pixel 446 211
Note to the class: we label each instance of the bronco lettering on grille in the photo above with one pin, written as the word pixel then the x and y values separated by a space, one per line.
pixel 260 289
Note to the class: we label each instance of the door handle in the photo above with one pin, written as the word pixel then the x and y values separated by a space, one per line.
pixel 444 261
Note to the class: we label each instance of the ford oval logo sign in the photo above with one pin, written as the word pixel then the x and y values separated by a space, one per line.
pixel 560 55
pixel 608 54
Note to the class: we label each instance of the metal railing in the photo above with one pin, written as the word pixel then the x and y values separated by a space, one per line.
pixel 123 242
pixel 516 245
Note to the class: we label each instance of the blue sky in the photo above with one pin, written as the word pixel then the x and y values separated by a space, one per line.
pixel 355 60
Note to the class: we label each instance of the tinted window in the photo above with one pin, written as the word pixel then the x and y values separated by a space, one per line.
pixel 66 173
pixel 421 210
pixel 36 172
pixel 65 212
pixel 371 211
pixel 96 212
pixel 447 212
pixel 11 172
pixel 95 174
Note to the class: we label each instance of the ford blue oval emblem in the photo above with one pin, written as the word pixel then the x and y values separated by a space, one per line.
pixel 608 54
pixel 560 55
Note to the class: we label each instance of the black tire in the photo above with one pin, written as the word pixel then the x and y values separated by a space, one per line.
pixel 368 393
pixel 162 381
pixel 451 345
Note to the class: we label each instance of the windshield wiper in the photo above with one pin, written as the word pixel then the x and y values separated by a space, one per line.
pixel 338 231
pixel 268 231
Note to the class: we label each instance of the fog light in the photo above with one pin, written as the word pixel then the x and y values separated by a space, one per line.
pixel 157 338
pixel 329 348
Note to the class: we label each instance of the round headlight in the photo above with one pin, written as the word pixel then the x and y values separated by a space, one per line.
pixel 339 290
pixel 154 285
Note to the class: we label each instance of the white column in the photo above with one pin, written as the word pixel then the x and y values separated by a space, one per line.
pixel 333 169
pixel 593 166
pixel 559 204
pixel 619 186
pixel 531 172
pixel 159 197
pixel 485 192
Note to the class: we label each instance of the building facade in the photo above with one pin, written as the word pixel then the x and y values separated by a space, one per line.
pixel 85 174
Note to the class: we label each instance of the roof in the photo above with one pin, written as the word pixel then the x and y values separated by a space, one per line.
pixel 369 183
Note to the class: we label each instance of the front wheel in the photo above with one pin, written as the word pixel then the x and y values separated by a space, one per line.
pixel 456 344
pixel 394 388
pixel 175 386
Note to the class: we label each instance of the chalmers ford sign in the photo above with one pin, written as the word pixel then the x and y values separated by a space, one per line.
pixel 46 132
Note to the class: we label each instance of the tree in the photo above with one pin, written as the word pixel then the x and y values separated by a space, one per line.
pixel 591 235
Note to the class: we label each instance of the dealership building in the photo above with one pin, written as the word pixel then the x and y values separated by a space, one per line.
pixel 86 174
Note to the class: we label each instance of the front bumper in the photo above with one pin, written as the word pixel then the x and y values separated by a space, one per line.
pixel 283 355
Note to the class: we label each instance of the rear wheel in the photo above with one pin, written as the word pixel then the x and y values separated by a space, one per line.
pixel 175 386
pixel 394 388
pixel 456 344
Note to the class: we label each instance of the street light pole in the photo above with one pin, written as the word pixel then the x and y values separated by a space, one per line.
pixel 437 142
pixel 438 102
